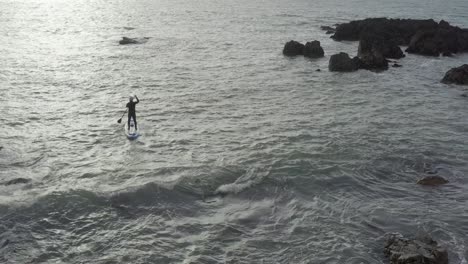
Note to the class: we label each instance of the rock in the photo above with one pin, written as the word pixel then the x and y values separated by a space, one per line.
pixel 313 49
pixel 396 65
pixel 330 32
pixel 432 181
pixel 447 54
pixel 425 37
pixel 369 42
pixel 317 70
pixel 327 28
pixel 373 61
pixel 125 41
pixel 444 39
pixel 370 53
pixel 341 62
pixel 424 43
pixel 398 30
pixel 293 48
pixel 16 181
pixel 401 250
pixel 464 95
pixel 457 75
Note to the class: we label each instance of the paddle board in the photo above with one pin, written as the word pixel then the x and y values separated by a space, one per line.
pixel 131 133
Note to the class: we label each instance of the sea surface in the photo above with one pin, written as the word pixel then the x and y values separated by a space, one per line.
pixel 245 156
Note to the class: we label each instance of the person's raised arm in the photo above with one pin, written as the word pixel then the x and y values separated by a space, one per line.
pixel 138 100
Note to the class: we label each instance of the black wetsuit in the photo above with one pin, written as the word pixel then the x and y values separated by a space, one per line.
pixel 132 112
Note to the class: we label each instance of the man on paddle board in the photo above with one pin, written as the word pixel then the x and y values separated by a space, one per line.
pixel 131 110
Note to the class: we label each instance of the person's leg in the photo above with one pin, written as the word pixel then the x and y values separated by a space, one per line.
pixel 134 121
pixel 128 122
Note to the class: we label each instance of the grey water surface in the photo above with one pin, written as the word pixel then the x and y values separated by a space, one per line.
pixel 246 156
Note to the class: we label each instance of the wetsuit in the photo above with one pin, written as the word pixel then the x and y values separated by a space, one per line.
pixel 132 113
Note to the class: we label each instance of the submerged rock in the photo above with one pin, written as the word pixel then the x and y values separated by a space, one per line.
pixel 457 75
pixel 313 49
pixel 432 181
pixel 16 181
pixel 293 48
pixel 396 65
pixel 126 41
pixel 402 250
pixel 327 28
pixel 341 62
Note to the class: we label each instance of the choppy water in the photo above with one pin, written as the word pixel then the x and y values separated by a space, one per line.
pixel 245 156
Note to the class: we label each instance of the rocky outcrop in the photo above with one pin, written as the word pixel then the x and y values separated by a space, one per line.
pixel 432 181
pixel 422 250
pixel 425 37
pixel 341 62
pixel 443 39
pixel 398 30
pixel 310 49
pixel 457 75
pixel 374 42
pixel 293 48
pixel 313 49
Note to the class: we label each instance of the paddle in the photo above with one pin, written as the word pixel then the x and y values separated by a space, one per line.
pixel 120 119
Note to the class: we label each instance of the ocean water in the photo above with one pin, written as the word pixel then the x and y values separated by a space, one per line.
pixel 246 156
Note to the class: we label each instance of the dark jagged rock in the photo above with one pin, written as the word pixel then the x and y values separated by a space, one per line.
pixel 398 30
pixel 443 39
pixel 457 75
pixel 432 181
pixel 16 181
pixel 317 70
pixel 125 41
pixel 402 250
pixel 313 49
pixel 370 53
pixel 341 62
pixel 373 61
pixel 373 41
pixel 327 28
pixel 425 37
pixel 293 48
pixel 396 65
pixel 447 54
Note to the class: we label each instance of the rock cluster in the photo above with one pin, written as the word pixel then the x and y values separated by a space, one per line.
pixel 310 49
pixel 425 37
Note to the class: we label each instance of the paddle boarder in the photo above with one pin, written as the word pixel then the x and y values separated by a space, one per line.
pixel 131 110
